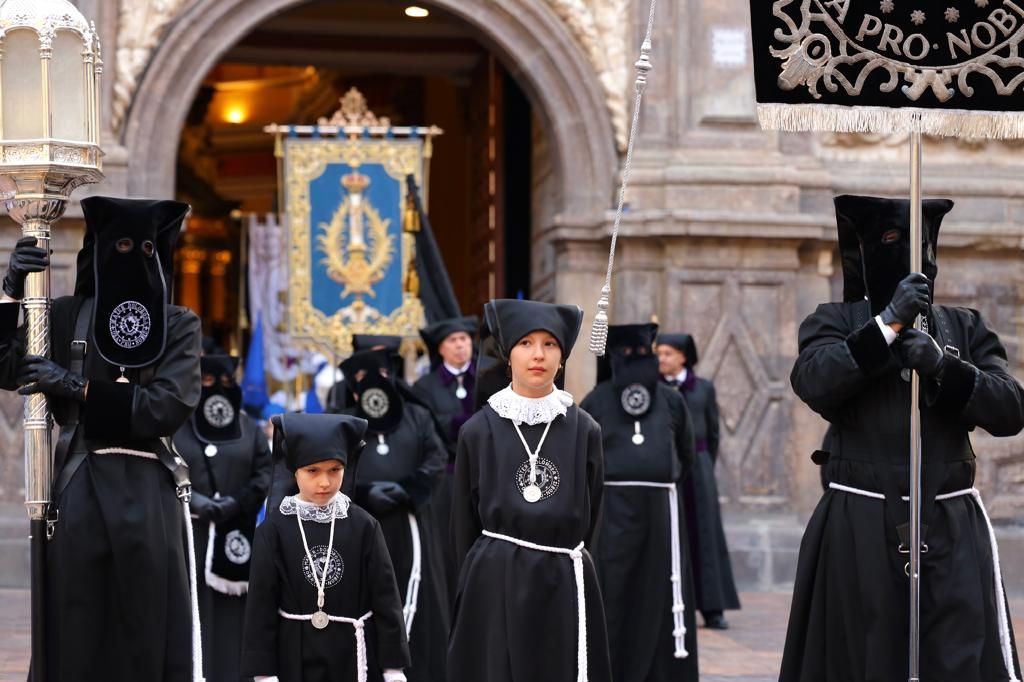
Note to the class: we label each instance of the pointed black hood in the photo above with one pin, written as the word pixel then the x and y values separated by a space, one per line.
pixel 510 320
pixel 217 419
pixel 304 439
pixel 130 241
pixel 380 403
pixel 882 229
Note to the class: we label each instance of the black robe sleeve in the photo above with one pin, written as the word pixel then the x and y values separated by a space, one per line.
pixel 712 417
pixel 835 364
pixel 981 391
pixel 12 347
pixel 465 524
pixel 385 601
pixel 160 407
pixel 433 458
pixel 252 495
pixel 595 476
pixel 259 642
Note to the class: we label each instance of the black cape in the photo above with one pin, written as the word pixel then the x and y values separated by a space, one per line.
pixel 415 460
pixel 712 570
pixel 363 580
pixel 242 470
pixel 633 554
pixel 849 616
pixel 515 616
pixel 117 580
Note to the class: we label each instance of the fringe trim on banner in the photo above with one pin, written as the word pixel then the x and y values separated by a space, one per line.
pixel 234 588
pixel 961 123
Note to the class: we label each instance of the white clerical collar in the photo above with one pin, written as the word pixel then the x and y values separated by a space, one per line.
pixel 307 511
pixel 681 377
pixel 456 371
pixel 531 411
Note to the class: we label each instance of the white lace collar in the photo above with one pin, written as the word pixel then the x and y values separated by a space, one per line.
pixel 307 511
pixel 531 411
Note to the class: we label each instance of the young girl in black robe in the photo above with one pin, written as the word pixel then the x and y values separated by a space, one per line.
pixel 323 602
pixel 526 501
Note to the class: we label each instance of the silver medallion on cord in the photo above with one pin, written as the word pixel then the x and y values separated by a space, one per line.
pixel 130 324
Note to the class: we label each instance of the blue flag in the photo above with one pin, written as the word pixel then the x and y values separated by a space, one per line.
pixel 254 382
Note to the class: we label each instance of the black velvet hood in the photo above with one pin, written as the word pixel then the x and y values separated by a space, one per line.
pixel 304 439
pixel 874 238
pixel 132 248
pixel 434 335
pixel 510 320
pixel 380 402
pixel 683 343
pixel 217 419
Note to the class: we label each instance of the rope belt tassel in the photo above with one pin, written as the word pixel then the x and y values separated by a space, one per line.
pixel 676 575
pixel 576 554
pixel 412 591
pixel 358 624
pixel 997 572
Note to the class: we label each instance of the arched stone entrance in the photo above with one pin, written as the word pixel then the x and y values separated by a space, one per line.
pixel 535 46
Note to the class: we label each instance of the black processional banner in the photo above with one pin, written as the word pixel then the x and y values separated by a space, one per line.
pixel 943 67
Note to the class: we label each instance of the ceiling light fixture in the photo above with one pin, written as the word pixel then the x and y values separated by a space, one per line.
pixel 416 12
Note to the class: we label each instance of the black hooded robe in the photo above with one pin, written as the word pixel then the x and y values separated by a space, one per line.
pixel 515 617
pixel 849 619
pixel 118 603
pixel 709 553
pixel 295 651
pixel 633 554
pixel 415 460
pixel 242 470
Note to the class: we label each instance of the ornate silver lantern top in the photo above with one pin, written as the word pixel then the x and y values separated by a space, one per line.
pixel 43 16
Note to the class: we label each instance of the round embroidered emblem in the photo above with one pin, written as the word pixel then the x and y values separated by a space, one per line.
pixel 130 324
pixel 548 478
pixel 237 547
pixel 334 572
pixel 375 402
pixel 219 411
pixel 636 400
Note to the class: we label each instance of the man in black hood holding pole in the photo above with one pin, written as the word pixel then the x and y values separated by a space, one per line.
pixel 849 619
pixel 123 378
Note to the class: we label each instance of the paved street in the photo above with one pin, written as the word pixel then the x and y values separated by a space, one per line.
pixel 749 652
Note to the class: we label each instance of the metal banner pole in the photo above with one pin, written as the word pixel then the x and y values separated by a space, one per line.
pixel 915 424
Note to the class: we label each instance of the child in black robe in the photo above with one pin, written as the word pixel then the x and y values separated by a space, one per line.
pixel 323 601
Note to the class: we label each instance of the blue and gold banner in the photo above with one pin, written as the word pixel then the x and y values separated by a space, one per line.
pixel 349 256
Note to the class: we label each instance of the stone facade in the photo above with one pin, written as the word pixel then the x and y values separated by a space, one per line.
pixel 729 234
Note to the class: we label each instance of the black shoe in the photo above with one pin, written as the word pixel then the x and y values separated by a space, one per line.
pixel 716 621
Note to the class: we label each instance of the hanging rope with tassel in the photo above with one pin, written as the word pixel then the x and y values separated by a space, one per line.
pixel 599 331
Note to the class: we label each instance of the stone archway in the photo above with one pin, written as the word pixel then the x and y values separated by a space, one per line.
pixel 536 47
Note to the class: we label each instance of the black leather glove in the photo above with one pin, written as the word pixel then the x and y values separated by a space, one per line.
pixel 920 352
pixel 224 509
pixel 39 375
pixel 26 258
pixel 201 507
pixel 911 298
pixel 395 492
pixel 378 501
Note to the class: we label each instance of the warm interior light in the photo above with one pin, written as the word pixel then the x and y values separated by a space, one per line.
pixel 416 12
pixel 235 115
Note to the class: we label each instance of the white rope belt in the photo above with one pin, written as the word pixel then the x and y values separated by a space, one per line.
pixel 412 591
pixel 142 454
pixel 1004 620
pixel 676 574
pixel 576 554
pixel 358 624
